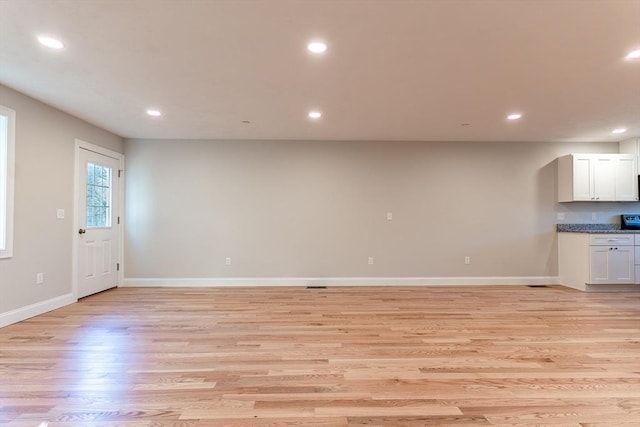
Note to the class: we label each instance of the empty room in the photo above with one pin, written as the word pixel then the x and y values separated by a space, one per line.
pixel 319 213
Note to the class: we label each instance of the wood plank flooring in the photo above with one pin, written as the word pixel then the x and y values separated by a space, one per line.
pixel 366 356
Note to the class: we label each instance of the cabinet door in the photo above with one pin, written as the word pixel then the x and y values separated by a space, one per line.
pixel 604 178
pixel 626 179
pixel 582 178
pixel 621 268
pixel 599 264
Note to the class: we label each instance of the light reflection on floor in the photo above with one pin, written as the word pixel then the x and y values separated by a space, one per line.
pixel 102 350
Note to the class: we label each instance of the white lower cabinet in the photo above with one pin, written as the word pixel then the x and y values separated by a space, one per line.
pixel 597 259
pixel 611 264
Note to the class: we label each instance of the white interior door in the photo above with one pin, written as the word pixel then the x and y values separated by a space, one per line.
pixel 98 234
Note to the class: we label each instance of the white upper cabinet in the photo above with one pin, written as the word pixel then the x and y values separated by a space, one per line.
pixel 604 178
pixel 582 180
pixel 597 178
pixel 626 179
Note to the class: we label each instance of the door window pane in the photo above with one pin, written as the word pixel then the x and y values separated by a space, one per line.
pixel 98 196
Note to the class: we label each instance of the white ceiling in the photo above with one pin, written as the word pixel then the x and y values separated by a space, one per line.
pixel 394 70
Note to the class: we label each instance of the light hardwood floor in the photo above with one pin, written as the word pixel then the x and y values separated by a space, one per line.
pixel 375 356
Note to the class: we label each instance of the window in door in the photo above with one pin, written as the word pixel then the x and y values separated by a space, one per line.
pixel 7 150
pixel 98 196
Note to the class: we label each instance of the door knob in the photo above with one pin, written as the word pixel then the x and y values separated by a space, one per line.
pixel 82 231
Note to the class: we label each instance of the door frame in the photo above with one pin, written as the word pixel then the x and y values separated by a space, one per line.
pixel 80 144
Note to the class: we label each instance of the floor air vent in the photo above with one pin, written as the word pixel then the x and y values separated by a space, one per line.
pixel 537 286
pixel 316 287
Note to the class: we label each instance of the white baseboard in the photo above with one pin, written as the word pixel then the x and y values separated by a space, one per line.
pixel 23 313
pixel 338 281
pixel 612 288
pixel 41 307
pixel 602 288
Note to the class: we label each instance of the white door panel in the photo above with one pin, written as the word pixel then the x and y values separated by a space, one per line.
pixel 583 179
pixel 599 264
pixel 604 182
pixel 622 268
pixel 626 180
pixel 98 221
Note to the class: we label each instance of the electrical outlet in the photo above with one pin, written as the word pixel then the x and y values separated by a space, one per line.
pixel 593 216
pixel 560 216
pixel 60 213
pixel 39 278
pixel 467 260
pixel 227 261
pixel 389 216
pixel 370 261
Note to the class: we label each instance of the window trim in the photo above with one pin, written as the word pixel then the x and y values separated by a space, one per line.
pixel 7 183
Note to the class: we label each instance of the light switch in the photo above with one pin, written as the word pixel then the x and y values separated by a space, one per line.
pixel 60 214
pixel 389 216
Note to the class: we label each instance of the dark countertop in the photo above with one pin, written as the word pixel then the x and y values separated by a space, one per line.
pixel 594 229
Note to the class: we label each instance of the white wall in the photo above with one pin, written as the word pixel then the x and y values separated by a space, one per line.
pixel 318 209
pixel 43 183
pixel 290 209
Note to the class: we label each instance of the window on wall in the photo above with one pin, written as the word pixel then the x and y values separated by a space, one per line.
pixel 98 196
pixel 7 147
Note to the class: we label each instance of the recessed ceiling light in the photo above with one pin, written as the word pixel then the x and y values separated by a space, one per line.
pixel 317 47
pixel 634 54
pixel 154 113
pixel 50 42
pixel 514 116
pixel 619 130
pixel 315 114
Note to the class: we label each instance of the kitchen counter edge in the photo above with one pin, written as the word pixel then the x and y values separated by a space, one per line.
pixel 593 229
